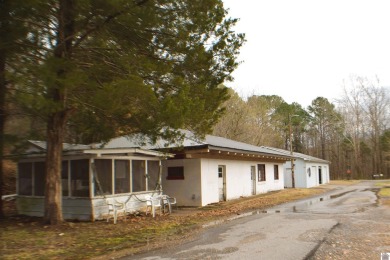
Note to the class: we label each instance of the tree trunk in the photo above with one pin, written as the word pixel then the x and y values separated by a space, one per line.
pixel 53 189
pixel 2 123
pixel 57 120
pixel 4 24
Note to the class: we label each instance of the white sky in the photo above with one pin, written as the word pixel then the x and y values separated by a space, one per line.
pixel 303 49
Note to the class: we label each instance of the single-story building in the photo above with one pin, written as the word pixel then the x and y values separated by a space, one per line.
pixel 309 171
pixel 218 169
pixel 214 169
pixel 126 170
pixel 93 177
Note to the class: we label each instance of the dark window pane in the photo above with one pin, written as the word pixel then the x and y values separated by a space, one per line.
pixel 261 172
pixel 25 178
pixel 122 176
pixel 138 175
pixel 103 178
pixel 64 179
pixel 79 172
pixel 153 171
pixel 39 179
pixel 177 173
pixel 276 172
pixel 220 171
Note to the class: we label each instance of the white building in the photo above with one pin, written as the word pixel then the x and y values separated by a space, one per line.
pixel 125 170
pixel 214 169
pixel 309 171
pixel 217 169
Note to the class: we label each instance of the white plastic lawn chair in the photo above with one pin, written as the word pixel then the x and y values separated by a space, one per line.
pixel 168 201
pixel 152 203
pixel 114 207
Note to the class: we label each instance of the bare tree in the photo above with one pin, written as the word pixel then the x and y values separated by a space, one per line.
pixel 234 123
pixel 365 107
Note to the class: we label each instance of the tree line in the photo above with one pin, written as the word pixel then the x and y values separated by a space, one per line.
pixel 352 132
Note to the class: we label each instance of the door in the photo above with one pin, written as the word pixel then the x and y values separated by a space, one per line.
pixel 253 179
pixel 319 175
pixel 222 182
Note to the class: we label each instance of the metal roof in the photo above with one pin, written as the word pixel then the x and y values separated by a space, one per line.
pixel 305 157
pixel 189 141
pixel 65 146
pixel 39 147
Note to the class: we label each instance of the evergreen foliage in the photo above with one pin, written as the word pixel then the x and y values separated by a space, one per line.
pixel 97 69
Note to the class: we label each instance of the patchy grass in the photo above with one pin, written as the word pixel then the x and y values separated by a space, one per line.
pixel 383 183
pixel 28 238
pixel 343 182
pixel 384 192
pixel 385 188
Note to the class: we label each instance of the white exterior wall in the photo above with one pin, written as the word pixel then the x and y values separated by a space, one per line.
pixel 270 184
pixel 188 191
pixel 302 178
pixel 238 179
pixel 312 180
pixel 299 174
pixel 200 184
pixel 315 178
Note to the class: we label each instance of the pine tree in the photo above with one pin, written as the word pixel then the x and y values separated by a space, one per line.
pixel 104 68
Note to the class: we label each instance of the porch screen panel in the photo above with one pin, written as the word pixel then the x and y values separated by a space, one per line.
pixel 104 175
pixel 153 170
pixel 65 178
pixel 79 172
pixel 25 178
pixel 138 175
pixel 39 179
pixel 122 176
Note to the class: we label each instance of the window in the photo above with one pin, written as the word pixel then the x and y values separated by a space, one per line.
pixel 220 171
pixel 39 179
pixel 103 178
pixel 261 172
pixel 80 178
pixel 276 172
pixel 122 176
pixel 65 178
pixel 175 173
pixel 153 172
pixel 31 179
pixel 25 178
pixel 138 175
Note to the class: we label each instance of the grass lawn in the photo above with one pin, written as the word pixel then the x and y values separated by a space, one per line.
pixel 385 188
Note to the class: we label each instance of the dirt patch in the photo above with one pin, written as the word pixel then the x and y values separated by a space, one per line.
pixel 363 237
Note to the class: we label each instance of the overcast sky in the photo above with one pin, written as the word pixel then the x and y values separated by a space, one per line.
pixel 303 49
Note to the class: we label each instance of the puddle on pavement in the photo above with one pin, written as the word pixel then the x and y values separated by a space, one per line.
pixel 298 207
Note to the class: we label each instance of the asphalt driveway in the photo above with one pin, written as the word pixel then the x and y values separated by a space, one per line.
pixel 345 223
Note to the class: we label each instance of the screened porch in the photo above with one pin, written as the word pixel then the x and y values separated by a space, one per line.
pixel 90 180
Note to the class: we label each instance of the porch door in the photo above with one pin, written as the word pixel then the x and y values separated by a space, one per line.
pixel 222 182
pixel 253 179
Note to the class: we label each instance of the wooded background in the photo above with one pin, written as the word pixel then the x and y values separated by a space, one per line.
pixel 352 132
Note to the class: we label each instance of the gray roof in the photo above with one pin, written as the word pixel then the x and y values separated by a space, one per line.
pixel 189 141
pixel 65 146
pixel 305 157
